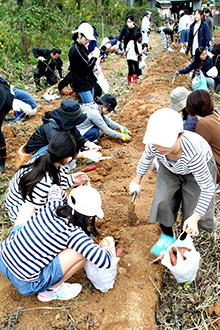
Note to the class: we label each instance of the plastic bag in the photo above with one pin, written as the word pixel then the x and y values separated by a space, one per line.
pixel 141 63
pixel 199 81
pixel 185 270
pixel 101 80
pixel 49 96
pixel 103 279
pixel 213 72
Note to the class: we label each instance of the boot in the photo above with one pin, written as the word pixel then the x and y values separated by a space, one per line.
pixel 129 80
pixel 135 78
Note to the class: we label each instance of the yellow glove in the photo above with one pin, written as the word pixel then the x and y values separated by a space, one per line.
pixel 124 129
pixel 126 138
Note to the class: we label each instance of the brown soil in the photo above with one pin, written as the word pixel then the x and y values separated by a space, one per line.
pixel 132 302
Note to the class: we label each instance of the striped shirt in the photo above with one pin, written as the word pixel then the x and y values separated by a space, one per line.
pixel 196 153
pixel 14 199
pixel 27 251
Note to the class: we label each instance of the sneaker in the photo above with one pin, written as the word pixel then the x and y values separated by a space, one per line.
pixel 162 244
pixel 182 50
pixel 65 291
pixel 2 168
pixel 170 49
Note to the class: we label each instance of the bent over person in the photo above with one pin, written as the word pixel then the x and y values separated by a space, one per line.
pixel 49 60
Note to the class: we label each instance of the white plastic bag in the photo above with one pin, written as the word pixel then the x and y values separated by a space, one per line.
pixel 185 270
pixel 141 63
pixel 49 96
pixel 213 72
pixel 103 279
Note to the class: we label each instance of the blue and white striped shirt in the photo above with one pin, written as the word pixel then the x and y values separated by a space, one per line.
pixel 27 251
pixel 196 153
pixel 14 199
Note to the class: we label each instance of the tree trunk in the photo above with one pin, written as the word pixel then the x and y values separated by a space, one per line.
pixel 23 41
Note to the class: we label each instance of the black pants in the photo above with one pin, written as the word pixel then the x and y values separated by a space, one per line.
pixel 5 107
pixel 51 78
pixel 65 82
pixel 217 84
pixel 132 67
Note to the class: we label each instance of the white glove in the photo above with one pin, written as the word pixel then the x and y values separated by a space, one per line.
pixel 93 155
pixel 134 187
pixel 41 58
pixel 96 52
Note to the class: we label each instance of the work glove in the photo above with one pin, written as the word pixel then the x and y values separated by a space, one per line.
pixel 41 58
pixel 93 155
pixel 126 138
pixel 177 72
pixel 124 130
pixel 134 187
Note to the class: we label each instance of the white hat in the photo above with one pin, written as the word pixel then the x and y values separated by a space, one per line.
pixel 163 128
pixel 87 201
pixel 86 29
pixel 178 98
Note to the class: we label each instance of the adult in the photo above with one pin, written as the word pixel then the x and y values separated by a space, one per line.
pixel 216 63
pixel 209 21
pixel 184 25
pixel 201 62
pixel 32 181
pixel 97 120
pixel 199 34
pixel 145 29
pixel 186 176
pixel 128 32
pixel 200 106
pixel 49 60
pixel 164 34
pixel 81 65
pixel 44 250
pixel 12 98
pixel 107 39
pixel 65 118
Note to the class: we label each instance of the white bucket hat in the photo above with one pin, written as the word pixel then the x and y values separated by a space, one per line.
pixel 87 201
pixel 163 128
pixel 86 29
pixel 178 98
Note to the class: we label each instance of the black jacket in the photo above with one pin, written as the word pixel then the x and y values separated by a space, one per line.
pixel 48 129
pixel 83 78
pixel 128 34
pixel 53 64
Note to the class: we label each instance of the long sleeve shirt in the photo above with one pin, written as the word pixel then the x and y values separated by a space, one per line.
pixel 27 251
pixel 196 153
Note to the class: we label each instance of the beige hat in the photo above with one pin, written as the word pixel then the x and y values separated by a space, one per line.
pixel 178 98
pixel 163 128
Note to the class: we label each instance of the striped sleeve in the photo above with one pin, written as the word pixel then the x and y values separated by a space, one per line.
pixel 145 160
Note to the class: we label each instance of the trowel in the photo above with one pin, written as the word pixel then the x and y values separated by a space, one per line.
pixel 132 208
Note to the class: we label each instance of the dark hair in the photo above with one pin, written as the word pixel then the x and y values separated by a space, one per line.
pixel 61 146
pixel 137 36
pixel 131 17
pixel 186 11
pixel 207 10
pixel 216 49
pixel 199 11
pixel 77 219
pixel 198 60
pixel 199 102
pixel 56 51
pixel 103 48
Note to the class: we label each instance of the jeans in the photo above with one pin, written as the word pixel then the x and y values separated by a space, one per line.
pixel 87 96
pixel 92 134
pixel 41 151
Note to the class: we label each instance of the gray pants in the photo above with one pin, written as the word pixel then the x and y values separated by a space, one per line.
pixel 171 190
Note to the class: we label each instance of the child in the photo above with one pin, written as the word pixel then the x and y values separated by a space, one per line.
pixel 187 175
pixel 32 181
pixel 46 249
pixel 103 54
pixel 134 51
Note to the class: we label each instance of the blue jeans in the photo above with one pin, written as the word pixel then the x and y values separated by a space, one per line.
pixel 87 96
pixel 41 151
pixel 92 134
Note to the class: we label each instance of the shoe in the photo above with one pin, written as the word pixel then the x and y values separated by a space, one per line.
pixel 129 80
pixel 173 43
pixel 135 78
pixel 170 49
pixel 2 168
pixel 162 244
pixel 65 291
pixel 182 50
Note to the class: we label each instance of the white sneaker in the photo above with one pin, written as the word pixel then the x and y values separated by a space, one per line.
pixel 170 49
pixel 65 291
pixel 182 50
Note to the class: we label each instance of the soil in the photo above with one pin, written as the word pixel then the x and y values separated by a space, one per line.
pixel 131 304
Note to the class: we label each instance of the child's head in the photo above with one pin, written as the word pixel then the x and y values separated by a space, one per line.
pixel 199 103
pixel 103 49
pixel 137 36
pixel 163 128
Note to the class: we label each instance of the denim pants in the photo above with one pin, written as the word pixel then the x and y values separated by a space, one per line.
pixel 92 134
pixel 87 96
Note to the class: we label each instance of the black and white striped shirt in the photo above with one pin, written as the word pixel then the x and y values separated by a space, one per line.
pixel 14 199
pixel 196 153
pixel 27 251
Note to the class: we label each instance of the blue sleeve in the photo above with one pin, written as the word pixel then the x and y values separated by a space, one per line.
pixel 122 34
pixel 190 123
pixel 189 68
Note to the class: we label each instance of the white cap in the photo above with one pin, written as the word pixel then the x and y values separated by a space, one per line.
pixel 87 30
pixel 163 128
pixel 87 201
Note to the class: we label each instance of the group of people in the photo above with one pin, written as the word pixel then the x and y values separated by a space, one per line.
pixel 52 236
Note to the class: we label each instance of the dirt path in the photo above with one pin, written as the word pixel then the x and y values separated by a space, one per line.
pixel 132 302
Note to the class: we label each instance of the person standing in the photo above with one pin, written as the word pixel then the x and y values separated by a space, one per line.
pixel 209 21
pixel 128 32
pixel 199 34
pixel 81 64
pixel 49 60
pixel 145 29
pixel 134 53
pixel 184 25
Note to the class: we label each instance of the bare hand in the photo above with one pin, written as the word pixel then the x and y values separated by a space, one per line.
pixel 80 177
pixel 190 225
